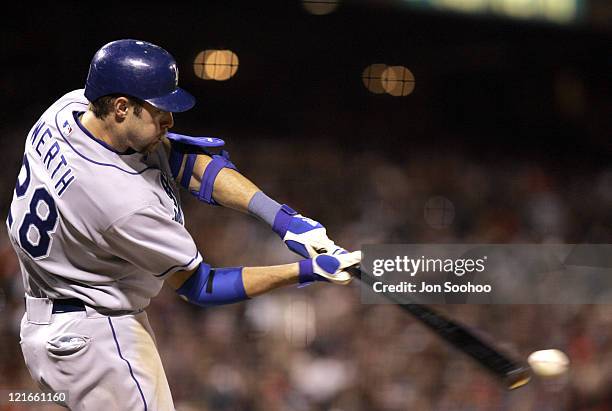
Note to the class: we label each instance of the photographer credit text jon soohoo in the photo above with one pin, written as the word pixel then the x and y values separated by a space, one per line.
pixel 413 266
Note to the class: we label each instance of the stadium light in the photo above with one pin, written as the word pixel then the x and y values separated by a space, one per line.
pixel 397 81
pixel 320 7
pixel 217 65
pixel 554 11
pixel 372 76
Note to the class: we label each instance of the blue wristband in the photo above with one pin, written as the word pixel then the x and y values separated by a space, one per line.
pixel 307 274
pixel 264 207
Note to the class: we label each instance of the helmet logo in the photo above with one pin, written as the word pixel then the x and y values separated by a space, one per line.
pixel 175 69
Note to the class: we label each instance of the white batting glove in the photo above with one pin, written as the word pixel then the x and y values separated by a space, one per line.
pixel 328 267
pixel 303 235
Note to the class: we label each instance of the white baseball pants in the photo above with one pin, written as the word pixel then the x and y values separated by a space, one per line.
pixel 103 362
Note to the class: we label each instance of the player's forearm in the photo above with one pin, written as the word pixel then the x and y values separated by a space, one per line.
pixel 208 286
pixel 256 280
pixel 214 180
pixel 259 280
pixel 231 189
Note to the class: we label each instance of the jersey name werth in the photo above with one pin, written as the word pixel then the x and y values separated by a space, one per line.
pixel 45 146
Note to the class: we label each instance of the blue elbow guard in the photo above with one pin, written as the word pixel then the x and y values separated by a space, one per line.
pixel 219 161
pixel 214 286
pixel 176 160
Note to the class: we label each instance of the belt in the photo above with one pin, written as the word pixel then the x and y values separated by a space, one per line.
pixel 68 305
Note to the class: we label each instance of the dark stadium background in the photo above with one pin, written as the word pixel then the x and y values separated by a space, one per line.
pixel 509 121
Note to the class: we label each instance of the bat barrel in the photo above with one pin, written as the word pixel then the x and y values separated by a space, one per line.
pixel 513 374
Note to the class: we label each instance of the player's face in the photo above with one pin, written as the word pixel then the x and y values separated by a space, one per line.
pixel 145 131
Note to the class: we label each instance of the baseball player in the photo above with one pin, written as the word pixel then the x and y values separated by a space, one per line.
pixel 97 225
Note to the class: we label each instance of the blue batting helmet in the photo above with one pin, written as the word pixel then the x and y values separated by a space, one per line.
pixel 138 69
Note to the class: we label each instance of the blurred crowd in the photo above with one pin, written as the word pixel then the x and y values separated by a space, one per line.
pixel 318 348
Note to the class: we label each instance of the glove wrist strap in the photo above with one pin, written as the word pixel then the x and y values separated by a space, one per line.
pixel 282 220
pixel 307 274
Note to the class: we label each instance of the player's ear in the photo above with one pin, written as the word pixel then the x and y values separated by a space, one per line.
pixel 121 107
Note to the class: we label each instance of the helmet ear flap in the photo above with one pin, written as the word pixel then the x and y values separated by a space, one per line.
pixel 139 69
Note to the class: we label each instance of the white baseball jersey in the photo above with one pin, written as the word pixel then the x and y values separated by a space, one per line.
pixel 91 223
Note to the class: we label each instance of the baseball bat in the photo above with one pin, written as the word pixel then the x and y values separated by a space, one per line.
pixel 513 373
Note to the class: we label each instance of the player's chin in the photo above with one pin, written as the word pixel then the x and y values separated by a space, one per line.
pixel 150 148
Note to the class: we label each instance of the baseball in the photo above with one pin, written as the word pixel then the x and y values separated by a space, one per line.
pixel 548 363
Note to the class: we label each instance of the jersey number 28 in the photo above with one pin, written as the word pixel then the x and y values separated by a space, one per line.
pixel 37 218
